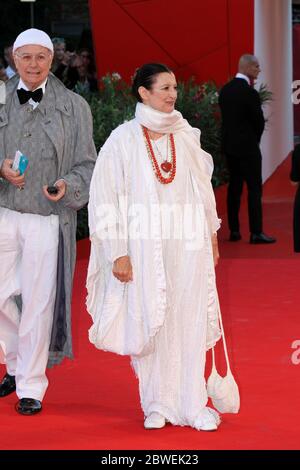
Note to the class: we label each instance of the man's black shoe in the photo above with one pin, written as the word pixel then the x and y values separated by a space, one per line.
pixel 235 236
pixel 261 238
pixel 28 406
pixel 8 385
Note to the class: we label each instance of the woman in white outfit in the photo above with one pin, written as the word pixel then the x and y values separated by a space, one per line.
pixel 151 279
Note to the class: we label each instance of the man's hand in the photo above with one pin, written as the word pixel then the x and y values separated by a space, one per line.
pixel 11 175
pixel 61 186
pixel 214 242
pixel 122 269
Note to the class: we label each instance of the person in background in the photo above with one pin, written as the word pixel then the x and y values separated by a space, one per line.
pixel 8 56
pixel 88 62
pixel 60 59
pixel 242 127
pixel 85 83
pixel 59 46
pixel 3 76
pixel 52 126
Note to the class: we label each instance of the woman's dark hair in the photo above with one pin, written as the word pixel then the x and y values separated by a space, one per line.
pixel 145 76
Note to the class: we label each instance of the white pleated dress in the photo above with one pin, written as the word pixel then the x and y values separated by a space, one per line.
pixel 171 378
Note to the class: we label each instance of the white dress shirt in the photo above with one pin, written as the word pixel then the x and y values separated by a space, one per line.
pixel 241 75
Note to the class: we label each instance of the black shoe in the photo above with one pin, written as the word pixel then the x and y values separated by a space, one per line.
pixel 8 385
pixel 28 406
pixel 261 238
pixel 235 236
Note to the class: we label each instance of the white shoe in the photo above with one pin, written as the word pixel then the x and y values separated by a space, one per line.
pixel 209 420
pixel 154 421
pixel 208 427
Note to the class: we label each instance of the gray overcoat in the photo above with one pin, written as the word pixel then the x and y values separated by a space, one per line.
pixel 66 119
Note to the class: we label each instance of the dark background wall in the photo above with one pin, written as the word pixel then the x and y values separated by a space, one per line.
pixel 67 18
pixel 203 38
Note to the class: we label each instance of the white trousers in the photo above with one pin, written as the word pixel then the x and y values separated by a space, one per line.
pixel 28 266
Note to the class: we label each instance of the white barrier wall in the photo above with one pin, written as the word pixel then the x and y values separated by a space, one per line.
pixel 273 47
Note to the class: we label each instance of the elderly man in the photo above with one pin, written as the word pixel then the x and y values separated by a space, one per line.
pixel 242 127
pixel 53 127
pixel 8 56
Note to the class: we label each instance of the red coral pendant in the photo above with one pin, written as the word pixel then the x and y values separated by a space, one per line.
pixel 166 166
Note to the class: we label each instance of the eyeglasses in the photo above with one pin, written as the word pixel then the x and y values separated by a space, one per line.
pixel 39 58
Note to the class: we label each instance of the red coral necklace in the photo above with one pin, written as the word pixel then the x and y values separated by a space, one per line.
pixel 167 167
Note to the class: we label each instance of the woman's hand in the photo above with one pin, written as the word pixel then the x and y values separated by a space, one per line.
pixel 215 248
pixel 122 269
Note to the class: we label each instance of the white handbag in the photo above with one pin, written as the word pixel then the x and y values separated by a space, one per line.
pixel 223 391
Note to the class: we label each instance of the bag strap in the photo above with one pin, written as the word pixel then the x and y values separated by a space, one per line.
pixel 223 338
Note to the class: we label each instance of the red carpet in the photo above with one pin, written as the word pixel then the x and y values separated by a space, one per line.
pixel 93 403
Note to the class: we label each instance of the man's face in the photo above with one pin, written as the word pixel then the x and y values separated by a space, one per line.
pixel 253 70
pixel 33 63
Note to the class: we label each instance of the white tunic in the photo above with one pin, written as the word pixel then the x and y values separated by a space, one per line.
pixel 167 317
pixel 172 377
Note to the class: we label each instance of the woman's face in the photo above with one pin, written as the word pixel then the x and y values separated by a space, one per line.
pixel 163 93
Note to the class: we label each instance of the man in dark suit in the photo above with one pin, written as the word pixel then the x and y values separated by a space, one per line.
pixel 295 179
pixel 242 127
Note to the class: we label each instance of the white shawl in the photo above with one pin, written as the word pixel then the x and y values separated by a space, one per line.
pixel 200 162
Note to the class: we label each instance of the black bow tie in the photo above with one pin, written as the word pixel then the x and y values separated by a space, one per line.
pixel 25 95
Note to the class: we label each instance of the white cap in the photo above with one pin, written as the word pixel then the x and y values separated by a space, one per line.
pixel 35 37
